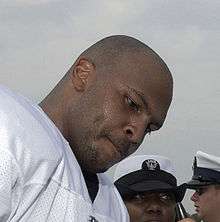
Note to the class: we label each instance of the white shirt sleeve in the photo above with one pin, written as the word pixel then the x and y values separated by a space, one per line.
pixel 9 179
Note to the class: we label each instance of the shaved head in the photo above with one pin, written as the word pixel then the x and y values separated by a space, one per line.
pixel 109 52
pixel 113 47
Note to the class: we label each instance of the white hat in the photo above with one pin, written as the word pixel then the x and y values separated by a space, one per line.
pixel 206 170
pixel 147 173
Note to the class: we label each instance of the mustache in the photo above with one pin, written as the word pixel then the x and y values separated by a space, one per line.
pixel 123 145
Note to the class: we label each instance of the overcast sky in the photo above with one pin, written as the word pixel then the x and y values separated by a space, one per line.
pixel 39 40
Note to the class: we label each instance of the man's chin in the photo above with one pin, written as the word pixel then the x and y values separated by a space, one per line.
pixel 95 169
pixel 103 169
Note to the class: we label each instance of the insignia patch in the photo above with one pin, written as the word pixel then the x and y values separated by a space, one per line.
pixel 150 164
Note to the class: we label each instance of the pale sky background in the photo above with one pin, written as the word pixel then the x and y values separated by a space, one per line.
pixel 40 39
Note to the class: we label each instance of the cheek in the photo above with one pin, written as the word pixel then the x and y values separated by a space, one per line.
pixel 114 108
pixel 206 203
pixel 211 204
pixel 135 212
pixel 169 214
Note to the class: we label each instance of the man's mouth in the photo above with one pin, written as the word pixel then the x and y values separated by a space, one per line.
pixel 116 147
pixel 156 219
pixel 121 149
pixel 123 145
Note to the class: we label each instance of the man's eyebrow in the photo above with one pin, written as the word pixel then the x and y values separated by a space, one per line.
pixel 140 95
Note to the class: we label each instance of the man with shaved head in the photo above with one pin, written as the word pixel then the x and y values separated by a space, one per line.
pixel 53 155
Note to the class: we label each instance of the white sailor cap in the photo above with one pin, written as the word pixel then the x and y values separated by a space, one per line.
pixel 206 170
pixel 143 173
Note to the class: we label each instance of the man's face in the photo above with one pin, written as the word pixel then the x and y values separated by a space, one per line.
pixel 150 207
pixel 112 117
pixel 207 201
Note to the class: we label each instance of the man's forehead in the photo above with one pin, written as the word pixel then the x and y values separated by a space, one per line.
pixel 146 77
pixel 155 100
pixel 145 62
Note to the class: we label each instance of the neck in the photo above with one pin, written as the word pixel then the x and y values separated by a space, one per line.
pixel 55 105
pixel 53 114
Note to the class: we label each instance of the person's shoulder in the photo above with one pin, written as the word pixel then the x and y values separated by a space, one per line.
pixel 6 96
pixel 26 130
pixel 10 101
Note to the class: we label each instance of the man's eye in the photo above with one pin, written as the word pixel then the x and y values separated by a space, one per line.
pixel 166 197
pixel 138 197
pixel 132 104
pixel 201 190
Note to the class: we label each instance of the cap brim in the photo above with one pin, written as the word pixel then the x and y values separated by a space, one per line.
pixel 155 185
pixel 193 184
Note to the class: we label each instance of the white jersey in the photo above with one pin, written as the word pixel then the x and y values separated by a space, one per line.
pixel 40 179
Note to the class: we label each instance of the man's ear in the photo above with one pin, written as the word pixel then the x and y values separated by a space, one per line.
pixel 82 73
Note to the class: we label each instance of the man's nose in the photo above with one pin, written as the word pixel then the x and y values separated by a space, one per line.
pixel 136 130
pixel 134 134
pixel 154 208
pixel 194 197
